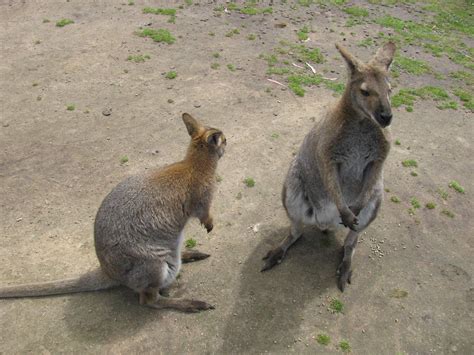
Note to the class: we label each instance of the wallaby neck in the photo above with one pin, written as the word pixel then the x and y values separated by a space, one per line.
pixel 345 107
pixel 201 161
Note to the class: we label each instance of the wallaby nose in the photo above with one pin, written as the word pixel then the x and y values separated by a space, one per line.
pixel 386 118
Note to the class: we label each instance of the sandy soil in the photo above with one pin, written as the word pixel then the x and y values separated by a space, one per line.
pixel 57 165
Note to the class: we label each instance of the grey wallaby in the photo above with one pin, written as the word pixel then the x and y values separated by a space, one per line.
pixel 138 229
pixel 336 177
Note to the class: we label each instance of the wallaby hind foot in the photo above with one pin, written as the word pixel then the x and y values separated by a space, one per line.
pixel 344 270
pixel 188 256
pixel 154 300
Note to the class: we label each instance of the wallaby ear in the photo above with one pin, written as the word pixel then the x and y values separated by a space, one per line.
pixel 353 63
pixel 384 55
pixel 191 124
pixel 215 138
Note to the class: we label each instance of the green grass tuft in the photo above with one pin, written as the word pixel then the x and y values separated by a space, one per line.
pixel 345 346
pixel 411 66
pixel 303 33
pixel 356 11
pixel 123 159
pixel 323 339
pixel 410 163
pixel 249 182
pixel 430 205
pixel 456 186
pixel 159 11
pixel 251 37
pixel 171 75
pixel 139 58
pixel 415 203
pixel 448 213
pixel 395 199
pixel 64 22
pixel 215 66
pixel 231 67
pixel 159 35
pixel 190 243
pixel 336 306
pixel 71 107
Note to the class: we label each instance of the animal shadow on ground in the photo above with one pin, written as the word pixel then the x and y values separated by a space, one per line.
pixel 100 317
pixel 270 305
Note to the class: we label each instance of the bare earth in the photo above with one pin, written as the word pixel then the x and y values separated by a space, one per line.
pixel 57 165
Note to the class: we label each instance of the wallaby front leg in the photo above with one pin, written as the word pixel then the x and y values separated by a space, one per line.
pixel 344 270
pixel 331 183
pixel 276 255
pixel 371 175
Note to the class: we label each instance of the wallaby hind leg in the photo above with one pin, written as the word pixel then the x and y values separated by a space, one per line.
pixel 189 256
pixel 276 255
pixel 344 270
pixel 153 299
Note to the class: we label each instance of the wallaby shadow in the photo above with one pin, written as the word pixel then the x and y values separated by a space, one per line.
pixel 99 317
pixel 267 315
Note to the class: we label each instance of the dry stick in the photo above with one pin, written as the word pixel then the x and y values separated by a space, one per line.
pixel 276 82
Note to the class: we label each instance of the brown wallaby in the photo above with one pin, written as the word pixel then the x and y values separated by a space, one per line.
pixel 138 229
pixel 336 177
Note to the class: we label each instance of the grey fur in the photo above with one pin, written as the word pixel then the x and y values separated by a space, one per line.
pixel 337 176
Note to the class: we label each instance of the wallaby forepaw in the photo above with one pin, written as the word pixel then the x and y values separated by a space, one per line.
pixel 355 210
pixel 349 220
pixel 209 227
pixel 273 257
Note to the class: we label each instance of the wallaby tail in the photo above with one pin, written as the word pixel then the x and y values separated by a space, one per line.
pixel 93 280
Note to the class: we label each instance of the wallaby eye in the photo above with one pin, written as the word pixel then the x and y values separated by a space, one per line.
pixel 365 92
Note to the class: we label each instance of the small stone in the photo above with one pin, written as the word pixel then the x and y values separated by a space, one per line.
pixel 170 101
pixel 197 105
pixel 6 124
pixel 107 111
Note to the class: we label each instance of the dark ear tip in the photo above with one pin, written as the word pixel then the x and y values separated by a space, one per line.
pixel 184 115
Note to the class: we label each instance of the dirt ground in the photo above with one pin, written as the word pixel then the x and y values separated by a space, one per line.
pixel 412 289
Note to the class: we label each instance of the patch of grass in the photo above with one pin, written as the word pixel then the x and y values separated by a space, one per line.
pixel 171 75
pixel 415 203
pixel 303 33
pixel 215 66
pixel 466 98
pixel 131 3
pixel 159 35
pixel 216 55
pixel 368 42
pixel 430 205
pixel 278 71
pixel 123 159
pixel 190 243
pixel 219 178
pixel 398 293
pixel 456 186
pixel 188 2
pixel 413 173
pixel 251 37
pixel 411 211
pixel 452 105
pixel 275 135
pixel 464 76
pixel 231 67
pixel 159 11
pixel 395 199
pixel 411 66
pixel 408 97
pixel 397 142
pixel 323 339
pixel 64 22
pixel 249 182
pixel 448 213
pixel 139 58
pixel 344 346
pixel 233 32
pixel 336 306
pixel 45 20
pixel 212 34
pixel 356 11
pixel 410 163
pixel 443 193
pixel 71 107
pixel 239 196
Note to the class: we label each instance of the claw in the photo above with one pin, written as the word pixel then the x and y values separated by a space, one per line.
pixel 273 257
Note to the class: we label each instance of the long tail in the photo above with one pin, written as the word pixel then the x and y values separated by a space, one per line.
pixel 93 280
